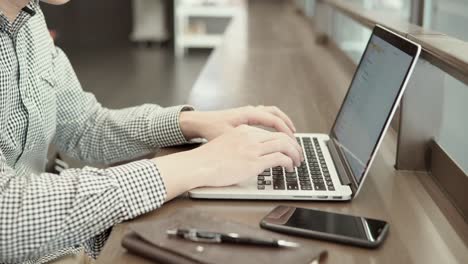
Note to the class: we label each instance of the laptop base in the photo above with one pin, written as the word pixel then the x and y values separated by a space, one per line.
pixel 249 190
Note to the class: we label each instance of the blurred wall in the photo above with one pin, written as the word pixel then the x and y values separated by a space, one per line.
pixel 89 23
pixel 95 23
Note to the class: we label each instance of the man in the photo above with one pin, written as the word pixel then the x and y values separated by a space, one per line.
pixel 46 216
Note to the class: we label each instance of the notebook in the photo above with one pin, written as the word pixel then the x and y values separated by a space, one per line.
pixel 149 240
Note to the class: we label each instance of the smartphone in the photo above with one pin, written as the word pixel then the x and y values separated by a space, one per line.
pixel 341 228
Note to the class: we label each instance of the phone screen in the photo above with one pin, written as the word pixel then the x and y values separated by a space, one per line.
pixel 336 224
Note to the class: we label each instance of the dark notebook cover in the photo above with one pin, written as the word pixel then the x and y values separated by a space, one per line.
pixel 149 240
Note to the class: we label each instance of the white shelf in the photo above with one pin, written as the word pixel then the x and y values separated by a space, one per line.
pixel 208 11
pixel 185 11
pixel 149 21
pixel 201 41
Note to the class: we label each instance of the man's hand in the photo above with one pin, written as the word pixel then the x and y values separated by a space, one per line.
pixel 210 125
pixel 229 159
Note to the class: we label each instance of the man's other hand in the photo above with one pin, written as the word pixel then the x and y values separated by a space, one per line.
pixel 210 125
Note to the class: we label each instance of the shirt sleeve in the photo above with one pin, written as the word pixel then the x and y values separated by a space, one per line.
pixel 87 131
pixel 45 213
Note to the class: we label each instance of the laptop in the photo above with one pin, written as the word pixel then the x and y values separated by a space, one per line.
pixel 336 165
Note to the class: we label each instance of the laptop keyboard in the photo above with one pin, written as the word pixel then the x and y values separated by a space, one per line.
pixel 312 174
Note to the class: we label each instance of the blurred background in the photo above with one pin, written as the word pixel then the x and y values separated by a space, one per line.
pixel 121 45
pixel 151 51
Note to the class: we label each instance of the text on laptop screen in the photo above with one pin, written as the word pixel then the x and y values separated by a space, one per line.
pixel 369 102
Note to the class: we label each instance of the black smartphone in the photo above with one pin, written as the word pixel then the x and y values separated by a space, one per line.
pixel 348 229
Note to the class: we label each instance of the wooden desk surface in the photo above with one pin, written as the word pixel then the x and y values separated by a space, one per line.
pixel 271 58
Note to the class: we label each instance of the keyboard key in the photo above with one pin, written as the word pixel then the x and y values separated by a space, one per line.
pixel 320 188
pixel 260 182
pixel 265 173
pixel 277 169
pixel 278 182
pixel 261 187
pixel 278 187
pixel 277 173
pixel 260 178
pixel 312 174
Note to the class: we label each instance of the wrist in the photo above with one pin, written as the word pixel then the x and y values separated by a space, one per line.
pixel 190 124
pixel 176 179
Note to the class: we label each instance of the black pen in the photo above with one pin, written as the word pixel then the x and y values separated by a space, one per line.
pixel 232 238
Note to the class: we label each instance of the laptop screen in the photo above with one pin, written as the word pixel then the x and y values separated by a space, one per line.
pixel 369 102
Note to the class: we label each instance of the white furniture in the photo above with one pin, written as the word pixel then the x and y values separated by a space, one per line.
pixel 186 9
pixel 149 21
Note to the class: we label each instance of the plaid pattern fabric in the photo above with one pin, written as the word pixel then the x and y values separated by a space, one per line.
pixel 44 216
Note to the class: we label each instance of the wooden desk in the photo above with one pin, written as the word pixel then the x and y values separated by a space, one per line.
pixel 271 58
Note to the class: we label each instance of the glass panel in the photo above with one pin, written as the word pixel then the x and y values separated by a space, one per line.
pixel 453 133
pixel 307 6
pixel 451 18
pixel 301 4
pixel 447 16
pixel 399 9
pixel 352 37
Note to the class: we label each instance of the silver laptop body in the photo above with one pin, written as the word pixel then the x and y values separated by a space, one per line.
pixel 337 164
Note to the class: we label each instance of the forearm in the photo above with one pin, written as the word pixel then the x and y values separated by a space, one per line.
pixel 179 173
pixel 109 136
pixel 73 206
pixel 192 124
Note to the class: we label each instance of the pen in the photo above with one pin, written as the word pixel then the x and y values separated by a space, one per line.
pixel 231 238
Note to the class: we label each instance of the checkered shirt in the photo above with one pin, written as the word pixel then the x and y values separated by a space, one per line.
pixel 44 216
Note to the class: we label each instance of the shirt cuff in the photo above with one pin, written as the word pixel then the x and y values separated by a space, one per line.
pixel 142 187
pixel 166 126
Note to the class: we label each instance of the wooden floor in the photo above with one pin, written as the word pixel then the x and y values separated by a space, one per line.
pixel 122 76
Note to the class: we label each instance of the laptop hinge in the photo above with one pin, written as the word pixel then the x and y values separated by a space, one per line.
pixel 342 172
